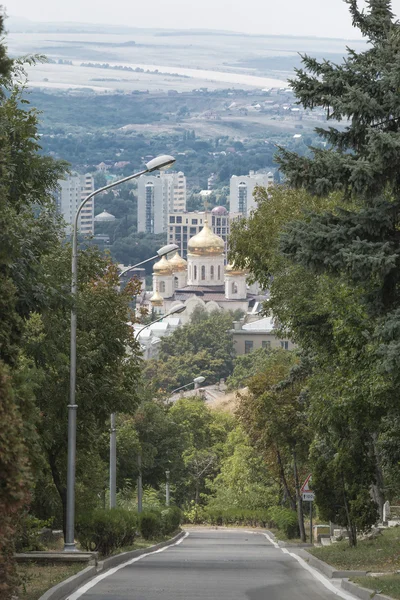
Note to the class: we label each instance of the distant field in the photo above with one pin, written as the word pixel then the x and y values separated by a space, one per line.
pixel 211 60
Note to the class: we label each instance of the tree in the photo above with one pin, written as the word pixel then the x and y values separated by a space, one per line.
pixel 27 230
pixel 202 347
pixel 108 364
pixel 273 413
pixel 203 433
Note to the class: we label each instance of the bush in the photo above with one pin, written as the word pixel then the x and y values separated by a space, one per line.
pixel 215 515
pixel 106 530
pixel 150 524
pixel 285 520
pixel 28 534
pixel 170 519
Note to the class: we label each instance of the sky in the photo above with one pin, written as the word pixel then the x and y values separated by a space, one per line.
pixel 323 18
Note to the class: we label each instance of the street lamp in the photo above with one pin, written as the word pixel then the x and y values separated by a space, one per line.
pixel 161 162
pixel 167 494
pixel 161 252
pixel 196 382
pixel 113 431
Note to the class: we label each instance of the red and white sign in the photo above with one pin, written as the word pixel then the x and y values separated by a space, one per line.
pixel 308 494
pixel 306 487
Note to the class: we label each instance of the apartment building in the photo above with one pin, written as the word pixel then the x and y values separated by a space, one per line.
pixel 158 195
pixel 183 226
pixel 242 189
pixel 70 194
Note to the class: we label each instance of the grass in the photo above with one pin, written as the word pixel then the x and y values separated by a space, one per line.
pixel 388 585
pixel 379 555
pixel 36 578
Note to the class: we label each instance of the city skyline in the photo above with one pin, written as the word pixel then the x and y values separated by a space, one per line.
pixel 258 16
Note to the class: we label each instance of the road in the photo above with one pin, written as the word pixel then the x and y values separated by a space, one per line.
pixel 212 565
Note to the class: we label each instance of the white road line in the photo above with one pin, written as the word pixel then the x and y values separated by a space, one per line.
pixel 321 578
pixel 82 590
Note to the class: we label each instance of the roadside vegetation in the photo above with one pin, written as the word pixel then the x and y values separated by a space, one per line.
pixel 378 555
pixel 388 585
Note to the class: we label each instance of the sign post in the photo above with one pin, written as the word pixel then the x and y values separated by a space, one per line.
pixel 309 496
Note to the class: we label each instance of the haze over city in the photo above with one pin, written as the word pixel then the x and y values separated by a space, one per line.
pixel 311 17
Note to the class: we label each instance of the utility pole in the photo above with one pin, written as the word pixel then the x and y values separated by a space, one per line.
pixel 113 463
pixel 167 493
pixel 139 484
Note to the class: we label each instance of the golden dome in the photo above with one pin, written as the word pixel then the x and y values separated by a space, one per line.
pixel 156 299
pixel 233 271
pixel 206 243
pixel 178 263
pixel 162 267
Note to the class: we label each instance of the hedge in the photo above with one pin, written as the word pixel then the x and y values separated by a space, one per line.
pixel 106 530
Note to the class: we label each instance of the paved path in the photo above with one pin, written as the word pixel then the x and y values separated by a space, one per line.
pixel 213 565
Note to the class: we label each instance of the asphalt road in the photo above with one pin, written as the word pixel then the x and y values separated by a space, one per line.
pixel 213 565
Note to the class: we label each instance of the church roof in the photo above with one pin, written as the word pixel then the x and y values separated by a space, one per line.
pixel 162 267
pixel 206 243
pixel 178 263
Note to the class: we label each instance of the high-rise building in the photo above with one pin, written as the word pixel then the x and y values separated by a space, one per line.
pixel 72 190
pixel 242 188
pixel 159 195
pixel 183 226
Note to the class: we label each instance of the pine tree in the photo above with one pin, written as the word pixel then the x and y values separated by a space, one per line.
pixel 362 161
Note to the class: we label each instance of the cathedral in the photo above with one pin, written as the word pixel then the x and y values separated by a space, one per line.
pixel 204 280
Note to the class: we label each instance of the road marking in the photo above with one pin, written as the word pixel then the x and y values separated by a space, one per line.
pixel 85 588
pixel 321 578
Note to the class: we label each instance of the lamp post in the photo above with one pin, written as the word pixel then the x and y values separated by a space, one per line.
pixel 167 500
pixel 162 162
pixel 196 382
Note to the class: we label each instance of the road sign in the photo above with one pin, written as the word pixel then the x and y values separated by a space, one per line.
pixel 308 496
pixel 306 487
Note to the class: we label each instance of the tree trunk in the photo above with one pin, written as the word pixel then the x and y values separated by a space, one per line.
pixel 197 496
pixel 300 514
pixel 350 525
pixel 61 489
pixel 284 481
pixel 378 488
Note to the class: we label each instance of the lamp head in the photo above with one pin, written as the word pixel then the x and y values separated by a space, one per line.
pixel 199 379
pixel 167 249
pixel 177 309
pixel 160 163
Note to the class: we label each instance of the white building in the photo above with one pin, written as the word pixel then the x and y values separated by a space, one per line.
pixel 159 195
pixel 242 189
pixel 72 191
pixel 202 281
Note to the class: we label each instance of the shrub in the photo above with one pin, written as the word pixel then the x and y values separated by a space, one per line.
pixel 232 516
pixel 106 530
pixel 150 524
pixel 285 520
pixel 170 519
pixel 28 534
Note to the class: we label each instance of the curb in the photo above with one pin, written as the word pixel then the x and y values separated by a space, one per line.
pixel 363 593
pixel 64 588
pixel 326 569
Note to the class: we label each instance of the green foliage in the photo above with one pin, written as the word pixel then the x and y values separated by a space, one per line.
pixel 202 347
pixel 28 534
pixel 246 366
pixel 170 519
pixel 285 520
pixel 15 478
pixel 150 524
pixel 105 531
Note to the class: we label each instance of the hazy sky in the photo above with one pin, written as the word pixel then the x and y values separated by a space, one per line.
pixel 327 18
